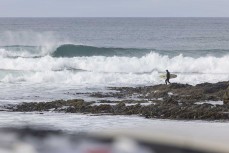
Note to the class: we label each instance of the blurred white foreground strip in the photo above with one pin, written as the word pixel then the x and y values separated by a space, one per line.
pixel 34 140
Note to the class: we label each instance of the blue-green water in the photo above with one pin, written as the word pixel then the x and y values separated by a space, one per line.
pixel 197 35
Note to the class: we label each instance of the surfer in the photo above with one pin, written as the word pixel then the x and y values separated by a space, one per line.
pixel 167 77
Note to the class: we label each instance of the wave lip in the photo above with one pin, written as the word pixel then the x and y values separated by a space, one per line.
pixel 71 50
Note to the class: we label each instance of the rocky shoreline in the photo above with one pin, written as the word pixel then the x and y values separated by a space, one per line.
pixel 174 101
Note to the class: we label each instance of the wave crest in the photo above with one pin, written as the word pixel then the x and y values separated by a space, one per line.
pixel 124 70
pixel 71 50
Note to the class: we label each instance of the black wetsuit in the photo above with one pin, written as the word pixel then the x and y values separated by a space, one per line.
pixel 167 77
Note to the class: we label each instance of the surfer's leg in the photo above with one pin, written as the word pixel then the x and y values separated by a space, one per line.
pixel 166 81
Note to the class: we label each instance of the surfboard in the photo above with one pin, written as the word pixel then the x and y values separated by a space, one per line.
pixel 172 76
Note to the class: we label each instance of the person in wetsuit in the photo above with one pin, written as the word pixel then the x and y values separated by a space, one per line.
pixel 167 77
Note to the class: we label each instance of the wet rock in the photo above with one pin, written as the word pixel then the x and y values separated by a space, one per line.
pixel 121 105
pixel 170 101
pixel 179 86
pixel 102 95
pixel 168 109
pixel 226 96
pixel 46 106
pixel 182 92
pixel 178 105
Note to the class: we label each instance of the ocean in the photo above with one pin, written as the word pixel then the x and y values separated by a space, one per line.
pixel 45 59
pixel 42 59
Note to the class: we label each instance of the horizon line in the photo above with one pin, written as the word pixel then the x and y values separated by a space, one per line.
pixel 113 17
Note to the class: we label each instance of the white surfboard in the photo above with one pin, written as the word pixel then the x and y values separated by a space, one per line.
pixel 172 76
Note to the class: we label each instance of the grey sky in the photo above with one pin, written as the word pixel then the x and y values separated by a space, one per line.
pixel 114 8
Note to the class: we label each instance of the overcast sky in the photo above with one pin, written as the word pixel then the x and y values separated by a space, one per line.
pixel 114 8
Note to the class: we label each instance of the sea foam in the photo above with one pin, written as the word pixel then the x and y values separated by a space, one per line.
pixel 114 70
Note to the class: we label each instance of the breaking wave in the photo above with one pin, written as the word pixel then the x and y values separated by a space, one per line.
pixel 71 50
pixel 115 69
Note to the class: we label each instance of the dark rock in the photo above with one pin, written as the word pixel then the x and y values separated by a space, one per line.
pixel 226 96
pixel 213 88
pixel 170 101
pixel 180 104
pixel 178 86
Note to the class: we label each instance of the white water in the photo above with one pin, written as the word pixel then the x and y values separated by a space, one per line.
pixel 47 40
pixel 100 70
